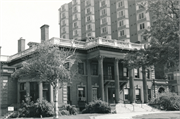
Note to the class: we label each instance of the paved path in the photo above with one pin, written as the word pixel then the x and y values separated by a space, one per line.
pixel 128 115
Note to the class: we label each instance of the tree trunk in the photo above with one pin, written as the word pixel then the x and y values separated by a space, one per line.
pixel 56 110
pixel 144 85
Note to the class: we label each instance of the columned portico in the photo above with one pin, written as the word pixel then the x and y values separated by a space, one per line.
pixel 117 87
pixel 101 77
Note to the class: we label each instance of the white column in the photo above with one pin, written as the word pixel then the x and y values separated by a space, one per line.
pixel 40 91
pixel 51 94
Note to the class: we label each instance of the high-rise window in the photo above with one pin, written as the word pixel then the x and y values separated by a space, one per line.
pixel 75 16
pixel 63 15
pixel 63 8
pixel 121 23
pixel 104 29
pixel 121 13
pixel 120 4
pixel 75 24
pixel 64 36
pixel 103 20
pixel 141 15
pixel 87 2
pixel 88 10
pixel 103 11
pixel 75 32
pixel 142 26
pixel 89 34
pixel 63 22
pixel 103 3
pixel 75 9
pixel 88 18
pixel 64 29
pixel 88 26
pixel 122 33
pixel 148 73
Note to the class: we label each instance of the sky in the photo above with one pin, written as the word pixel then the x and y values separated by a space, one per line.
pixel 23 18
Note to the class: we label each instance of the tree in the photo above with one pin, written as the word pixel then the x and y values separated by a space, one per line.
pixel 164 32
pixel 52 64
pixel 161 37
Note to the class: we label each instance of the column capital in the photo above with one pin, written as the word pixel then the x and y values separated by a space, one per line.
pixel 100 57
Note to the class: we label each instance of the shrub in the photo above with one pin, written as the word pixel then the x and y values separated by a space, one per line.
pixel 43 108
pixel 167 101
pixel 71 109
pixel 97 106
pixel 30 109
pixel 64 112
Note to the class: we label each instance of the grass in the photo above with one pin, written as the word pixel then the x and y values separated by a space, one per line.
pixel 159 116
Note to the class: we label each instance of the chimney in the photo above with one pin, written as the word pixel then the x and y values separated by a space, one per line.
pixel 44 32
pixel 21 45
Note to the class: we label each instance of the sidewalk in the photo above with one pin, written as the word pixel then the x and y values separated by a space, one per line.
pixel 128 115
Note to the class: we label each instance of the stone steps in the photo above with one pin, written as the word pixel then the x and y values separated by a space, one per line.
pixel 121 108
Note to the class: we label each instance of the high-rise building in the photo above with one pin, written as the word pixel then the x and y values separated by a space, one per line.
pixel 112 19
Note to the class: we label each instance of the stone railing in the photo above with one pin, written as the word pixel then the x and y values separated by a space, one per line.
pixel 83 45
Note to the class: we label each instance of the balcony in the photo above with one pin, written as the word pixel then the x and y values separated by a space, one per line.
pixel 80 45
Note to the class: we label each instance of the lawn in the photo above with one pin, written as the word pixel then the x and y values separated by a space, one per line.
pixel 159 116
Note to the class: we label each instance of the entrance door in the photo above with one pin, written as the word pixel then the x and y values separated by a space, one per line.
pixel 111 95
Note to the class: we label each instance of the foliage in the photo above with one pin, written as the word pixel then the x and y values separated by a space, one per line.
pixel 64 112
pixel 30 109
pixel 43 108
pixel 51 63
pixel 97 106
pixel 71 109
pixel 167 101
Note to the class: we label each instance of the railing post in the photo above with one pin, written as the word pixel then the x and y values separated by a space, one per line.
pixel 115 42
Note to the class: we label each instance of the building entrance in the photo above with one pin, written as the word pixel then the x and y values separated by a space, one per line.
pixel 111 95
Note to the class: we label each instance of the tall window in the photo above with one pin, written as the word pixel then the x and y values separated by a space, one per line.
pixel 81 94
pixel 89 34
pixel 63 22
pixel 94 93
pixel 81 68
pixel 104 29
pixel 63 8
pixel 94 70
pixel 149 94
pixel 121 23
pixel 137 91
pixel 136 73
pixel 75 32
pixel 126 93
pixel 22 91
pixel 46 91
pixel 64 29
pixel 142 26
pixel 34 91
pixel 122 33
pixel 63 15
pixel 125 72
pixel 68 95
pixel 141 15
pixel 148 73
pixel 110 75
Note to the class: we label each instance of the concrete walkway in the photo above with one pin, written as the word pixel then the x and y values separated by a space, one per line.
pixel 126 115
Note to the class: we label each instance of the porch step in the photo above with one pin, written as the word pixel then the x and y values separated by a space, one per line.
pixel 120 108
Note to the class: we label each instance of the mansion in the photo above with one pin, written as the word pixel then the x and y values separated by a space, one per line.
pixel 103 75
